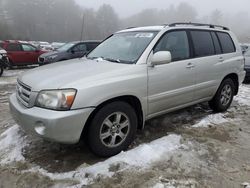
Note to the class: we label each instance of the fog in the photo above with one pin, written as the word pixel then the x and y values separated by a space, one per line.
pixel 62 20
pixel 127 8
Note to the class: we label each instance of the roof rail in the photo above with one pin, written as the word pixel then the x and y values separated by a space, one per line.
pixel 197 24
pixel 130 27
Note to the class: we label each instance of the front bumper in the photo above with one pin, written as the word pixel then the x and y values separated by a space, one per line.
pixel 59 126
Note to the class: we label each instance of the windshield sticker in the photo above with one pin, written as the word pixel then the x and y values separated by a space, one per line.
pixel 144 35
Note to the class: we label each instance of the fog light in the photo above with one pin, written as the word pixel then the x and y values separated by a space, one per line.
pixel 40 128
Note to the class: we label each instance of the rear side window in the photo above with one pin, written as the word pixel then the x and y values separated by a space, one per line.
pixel 203 43
pixel 14 47
pixel 91 46
pixel 216 43
pixel 226 42
pixel 80 48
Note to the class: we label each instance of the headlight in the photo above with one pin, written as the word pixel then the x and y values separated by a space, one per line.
pixel 52 57
pixel 56 99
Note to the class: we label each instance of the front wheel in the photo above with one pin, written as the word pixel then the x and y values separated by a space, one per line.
pixel 112 129
pixel 223 97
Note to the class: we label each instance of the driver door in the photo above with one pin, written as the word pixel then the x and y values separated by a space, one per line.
pixel 171 85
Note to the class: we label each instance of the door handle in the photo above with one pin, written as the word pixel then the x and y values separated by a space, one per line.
pixel 190 66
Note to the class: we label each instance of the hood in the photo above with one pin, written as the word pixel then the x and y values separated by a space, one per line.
pixel 69 74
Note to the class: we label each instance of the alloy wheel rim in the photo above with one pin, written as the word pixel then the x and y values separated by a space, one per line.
pixel 114 129
pixel 226 95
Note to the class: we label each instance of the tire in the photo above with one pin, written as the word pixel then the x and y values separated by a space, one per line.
pixel 1 70
pixel 106 136
pixel 223 97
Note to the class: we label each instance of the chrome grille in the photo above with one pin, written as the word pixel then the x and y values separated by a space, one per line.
pixel 23 93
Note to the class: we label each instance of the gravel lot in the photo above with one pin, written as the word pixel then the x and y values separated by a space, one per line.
pixel 188 148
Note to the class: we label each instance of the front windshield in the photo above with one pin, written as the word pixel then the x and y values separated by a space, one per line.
pixel 65 47
pixel 123 47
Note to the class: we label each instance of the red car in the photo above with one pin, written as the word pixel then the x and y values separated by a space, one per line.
pixel 21 53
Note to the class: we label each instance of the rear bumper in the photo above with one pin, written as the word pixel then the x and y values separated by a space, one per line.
pixel 59 126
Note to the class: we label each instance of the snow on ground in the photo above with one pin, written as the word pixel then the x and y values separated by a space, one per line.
pixel 210 120
pixel 165 183
pixel 243 97
pixel 12 144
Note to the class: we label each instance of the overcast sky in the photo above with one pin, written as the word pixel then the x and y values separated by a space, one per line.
pixel 128 7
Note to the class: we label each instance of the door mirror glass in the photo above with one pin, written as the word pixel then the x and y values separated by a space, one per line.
pixel 161 57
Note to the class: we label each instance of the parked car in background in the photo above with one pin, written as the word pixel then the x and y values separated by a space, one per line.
pixel 244 47
pixel 3 60
pixel 68 51
pixel 45 46
pixel 21 53
pixel 247 64
pixel 57 45
pixel 133 76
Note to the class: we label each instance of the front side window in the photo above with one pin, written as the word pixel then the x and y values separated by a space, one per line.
pixel 203 43
pixel 226 42
pixel 28 48
pixel 176 42
pixel 123 47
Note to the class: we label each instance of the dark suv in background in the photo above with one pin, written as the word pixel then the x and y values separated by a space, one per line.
pixel 70 50
pixel 21 53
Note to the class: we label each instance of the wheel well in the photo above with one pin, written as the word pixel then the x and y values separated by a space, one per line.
pixel 235 79
pixel 132 100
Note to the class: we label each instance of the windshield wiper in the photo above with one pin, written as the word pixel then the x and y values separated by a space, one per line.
pixel 112 60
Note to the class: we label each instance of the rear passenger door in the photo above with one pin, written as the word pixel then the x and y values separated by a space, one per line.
pixel 171 85
pixel 208 62
pixel 15 53
pixel 211 56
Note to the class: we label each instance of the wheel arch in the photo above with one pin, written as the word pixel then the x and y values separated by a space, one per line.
pixel 235 79
pixel 130 99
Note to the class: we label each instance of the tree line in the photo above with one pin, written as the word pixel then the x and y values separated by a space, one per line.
pixel 62 20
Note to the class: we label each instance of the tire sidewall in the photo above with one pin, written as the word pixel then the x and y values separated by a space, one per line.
pixel 94 140
pixel 218 95
pixel 1 69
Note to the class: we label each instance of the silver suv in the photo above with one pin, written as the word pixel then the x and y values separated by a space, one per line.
pixel 133 76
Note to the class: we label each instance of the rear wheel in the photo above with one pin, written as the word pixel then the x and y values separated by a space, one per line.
pixel 1 69
pixel 112 129
pixel 223 97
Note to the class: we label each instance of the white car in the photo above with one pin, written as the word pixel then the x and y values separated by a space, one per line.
pixel 133 76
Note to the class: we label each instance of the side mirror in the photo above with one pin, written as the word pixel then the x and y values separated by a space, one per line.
pixel 72 51
pixel 162 57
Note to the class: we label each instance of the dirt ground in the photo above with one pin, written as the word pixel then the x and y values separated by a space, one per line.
pixel 214 152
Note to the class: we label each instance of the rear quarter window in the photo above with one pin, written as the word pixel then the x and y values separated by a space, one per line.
pixel 203 43
pixel 226 42
pixel 14 47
